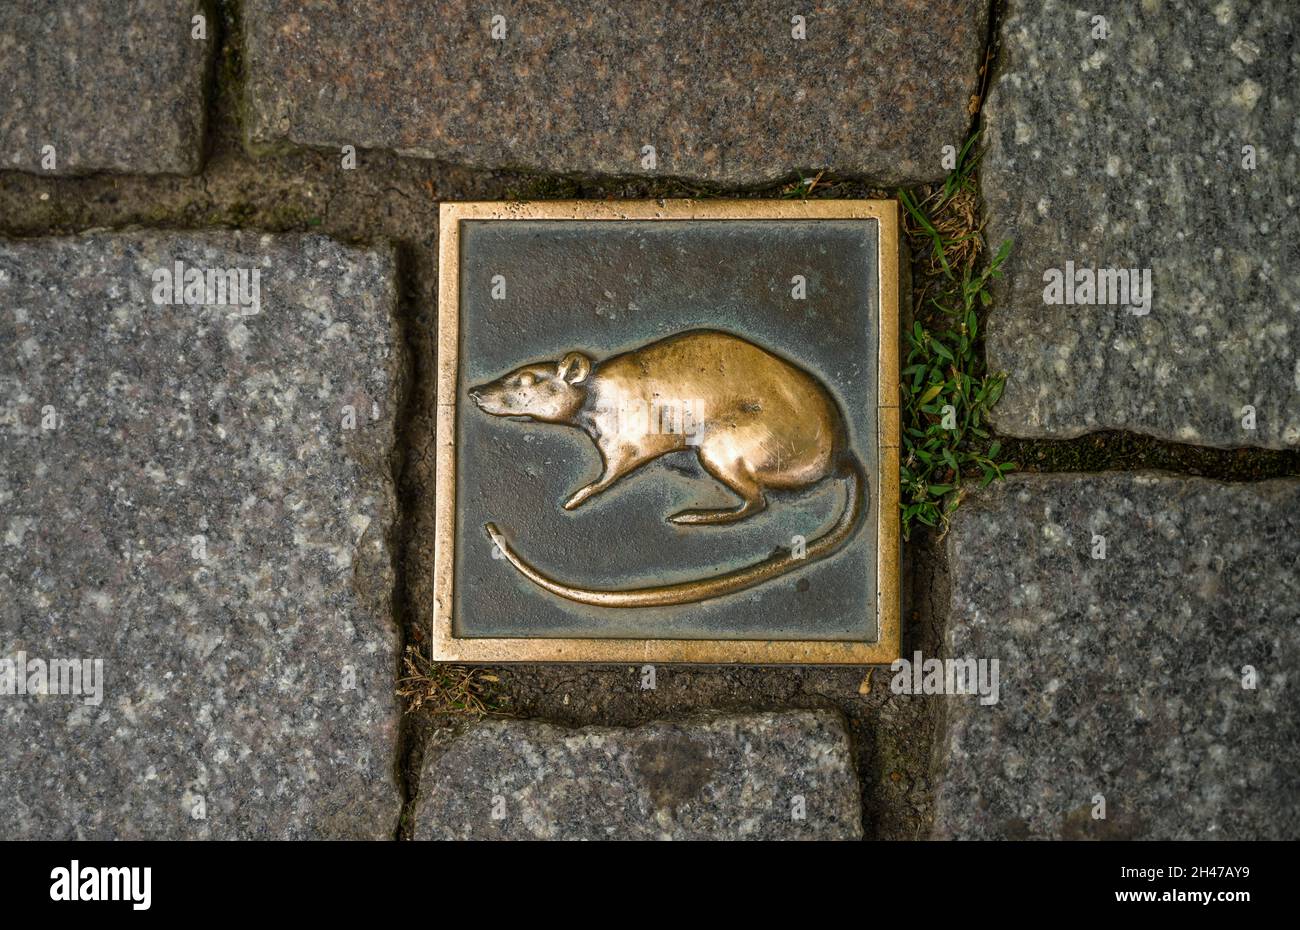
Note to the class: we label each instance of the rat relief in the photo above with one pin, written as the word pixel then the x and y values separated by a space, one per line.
pixel 768 425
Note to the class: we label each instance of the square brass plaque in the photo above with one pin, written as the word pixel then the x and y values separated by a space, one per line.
pixel 668 432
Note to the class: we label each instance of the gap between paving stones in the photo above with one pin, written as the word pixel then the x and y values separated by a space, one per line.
pixel 396 199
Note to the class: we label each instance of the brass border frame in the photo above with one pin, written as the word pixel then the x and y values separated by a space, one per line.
pixel 449 648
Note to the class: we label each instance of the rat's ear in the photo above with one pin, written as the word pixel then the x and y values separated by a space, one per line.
pixel 574 368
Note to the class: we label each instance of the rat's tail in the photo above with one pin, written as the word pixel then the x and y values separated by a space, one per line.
pixel 703 589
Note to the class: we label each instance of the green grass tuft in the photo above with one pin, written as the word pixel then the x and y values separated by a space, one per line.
pixel 947 391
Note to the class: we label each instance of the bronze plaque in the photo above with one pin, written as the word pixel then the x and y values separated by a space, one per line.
pixel 668 432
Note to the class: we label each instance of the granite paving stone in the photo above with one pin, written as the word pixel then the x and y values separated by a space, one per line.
pixel 722 91
pixel 1147 630
pixel 1168 146
pixel 756 776
pixel 112 85
pixel 195 491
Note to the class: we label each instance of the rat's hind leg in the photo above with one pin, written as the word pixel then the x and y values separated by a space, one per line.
pixel 737 477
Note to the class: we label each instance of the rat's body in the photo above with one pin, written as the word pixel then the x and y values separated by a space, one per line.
pixel 756 422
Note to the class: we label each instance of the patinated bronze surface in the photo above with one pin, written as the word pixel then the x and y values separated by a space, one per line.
pixel 665 441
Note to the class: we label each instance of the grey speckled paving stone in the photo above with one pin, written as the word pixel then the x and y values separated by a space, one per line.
pixel 721 90
pixel 199 520
pixel 1127 153
pixel 1122 677
pixel 113 85
pixel 738 777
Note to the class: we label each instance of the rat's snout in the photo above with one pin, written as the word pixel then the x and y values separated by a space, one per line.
pixel 484 394
pixel 489 398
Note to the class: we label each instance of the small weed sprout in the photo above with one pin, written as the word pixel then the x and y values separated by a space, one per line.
pixel 801 188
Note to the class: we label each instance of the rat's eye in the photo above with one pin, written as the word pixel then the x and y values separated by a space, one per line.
pixel 526 380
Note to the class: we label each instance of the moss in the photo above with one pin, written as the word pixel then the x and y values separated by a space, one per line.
pixel 229 103
pixel 520 184
pixel 1115 450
